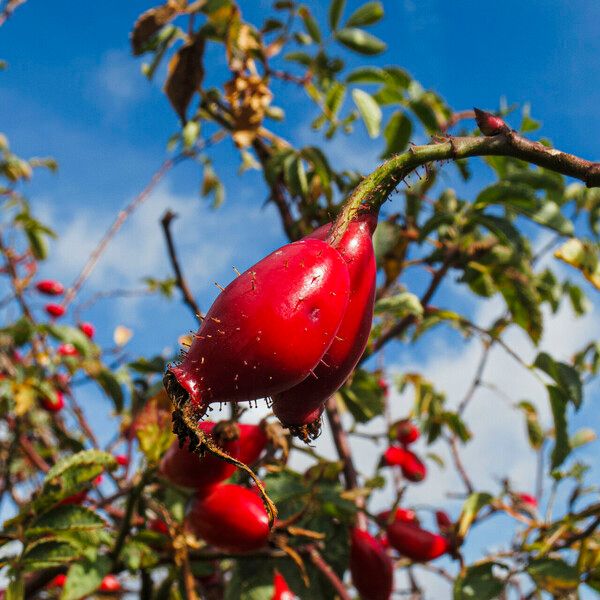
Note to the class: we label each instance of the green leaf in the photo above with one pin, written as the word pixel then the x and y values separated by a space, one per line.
pixel 558 404
pixel 360 41
pixel 45 554
pixel 369 110
pixel 473 504
pixel 400 305
pixel 336 8
pixel 71 335
pixel 584 256
pixel 311 25
pixel 367 75
pixel 96 458
pixel 334 99
pixel 112 387
pixel 502 228
pixel 85 577
pixel 367 14
pixel 554 575
pixel 16 588
pixel 69 517
pixel 385 239
pixel 534 429
pixel 478 583
pixel 363 396
pixel 20 331
pixel 397 134
pixel 549 215
pixel 565 376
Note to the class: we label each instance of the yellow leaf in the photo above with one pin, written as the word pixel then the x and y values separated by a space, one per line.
pixel 122 335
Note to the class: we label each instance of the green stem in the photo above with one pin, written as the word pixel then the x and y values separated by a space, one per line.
pixel 375 189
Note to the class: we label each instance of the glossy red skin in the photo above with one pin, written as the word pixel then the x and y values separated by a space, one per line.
pixel 411 465
pixel 55 310
pixel 444 522
pixel 88 329
pixel 270 326
pixel 252 442
pixel 182 467
pixel 232 518
pixel 528 499
pixel 401 514
pixel 67 350
pixel 416 543
pixel 371 568
pixel 50 287
pixel 55 405
pixel 281 590
pixel 110 584
pixel 122 460
pixel 407 432
pixel 58 581
pixel 303 403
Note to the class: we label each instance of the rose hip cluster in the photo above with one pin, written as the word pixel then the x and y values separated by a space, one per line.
pixel 371 565
pixel 412 467
pixel 228 516
pixel 292 327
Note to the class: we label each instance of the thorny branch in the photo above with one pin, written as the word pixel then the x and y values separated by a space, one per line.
pixel 188 297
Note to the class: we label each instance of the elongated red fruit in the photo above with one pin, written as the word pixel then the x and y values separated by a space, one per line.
pixel 253 441
pixel 371 568
pixel 50 287
pixel 231 517
pixel 406 432
pixel 267 330
pixel 299 408
pixel 400 514
pixel 281 590
pixel 55 404
pixel 182 467
pixel 88 329
pixel 416 543
pixel 55 310
pixel 411 465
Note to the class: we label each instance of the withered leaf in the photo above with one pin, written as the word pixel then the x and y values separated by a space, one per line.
pixel 185 74
pixel 151 21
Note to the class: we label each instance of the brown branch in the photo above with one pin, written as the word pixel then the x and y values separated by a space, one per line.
pixel 32 454
pixel 116 226
pixel 476 382
pixel 329 573
pixel 459 465
pixel 181 282
pixel 9 9
pixel 342 445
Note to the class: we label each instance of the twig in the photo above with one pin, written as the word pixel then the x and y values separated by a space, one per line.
pixel 181 282
pixel 33 454
pixel 342 445
pixel 329 573
pixel 116 226
pixel 487 345
pixel 459 465
pixel 9 9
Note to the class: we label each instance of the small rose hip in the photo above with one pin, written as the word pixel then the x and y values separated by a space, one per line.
pixel 50 287
pixel 67 350
pixel 55 310
pixel 55 404
pixel 489 124
pixel 110 584
pixel 58 581
pixel 88 329
pixel 122 460
pixel 407 432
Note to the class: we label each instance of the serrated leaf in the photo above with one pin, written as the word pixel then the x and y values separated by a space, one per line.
pixel 71 335
pixel 553 575
pixel 397 134
pixel 360 41
pixel 367 14
pixel 85 577
pixel 99 458
pixel 45 554
pixel 363 396
pixel 369 110
pixel 558 404
pixel 473 504
pixel 69 517
pixel 336 8
pixel 400 305
pixel 478 583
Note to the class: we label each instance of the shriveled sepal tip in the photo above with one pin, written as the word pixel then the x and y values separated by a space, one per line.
pixel 489 124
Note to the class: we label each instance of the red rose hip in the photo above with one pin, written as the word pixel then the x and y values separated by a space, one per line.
pixel 371 568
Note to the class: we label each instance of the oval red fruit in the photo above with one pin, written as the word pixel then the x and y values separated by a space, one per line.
pixel 58 581
pixel 67 350
pixel 231 517
pixel 371 568
pixel 50 287
pixel 185 468
pixel 110 584
pixel 55 404
pixel 300 407
pixel 416 543
pixel 267 330
pixel 444 522
pixel 252 442
pixel 88 329
pixel 406 432
pixel 411 465
pixel 55 310
pixel 122 460
pixel 281 590
pixel 400 514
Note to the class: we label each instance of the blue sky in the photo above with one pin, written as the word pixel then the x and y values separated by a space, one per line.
pixel 73 92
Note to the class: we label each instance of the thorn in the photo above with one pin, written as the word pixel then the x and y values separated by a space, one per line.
pixel 313 374
pixel 220 287
pixel 324 363
pixel 215 319
pixel 236 272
